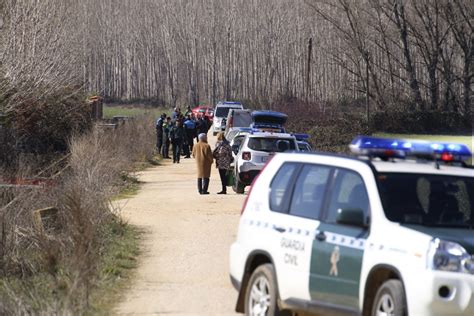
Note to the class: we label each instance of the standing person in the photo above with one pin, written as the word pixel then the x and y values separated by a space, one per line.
pixel 189 111
pixel 166 138
pixel 203 154
pixel 177 138
pixel 223 155
pixel 174 115
pixel 190 127
pixel 203 128
pixel 159 133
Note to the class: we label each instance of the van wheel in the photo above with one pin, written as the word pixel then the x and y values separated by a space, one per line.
pixel 238 187
pixel 390 300
pixel 261 295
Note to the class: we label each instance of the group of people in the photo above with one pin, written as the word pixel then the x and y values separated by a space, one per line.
pixel 179 130
pixel 205 157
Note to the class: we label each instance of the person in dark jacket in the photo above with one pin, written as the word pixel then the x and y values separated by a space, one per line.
pixel 166 138
pixel 202 125
pixel 177 136
pixel 159 133
pixel 190 128
pixel 223 156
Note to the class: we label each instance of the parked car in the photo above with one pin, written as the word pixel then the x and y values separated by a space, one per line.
pixel 207 111
pixel 237 118
pixel 302 142
pixel 220 113
pixel 254 151
pixel 304 146
pixel 389 232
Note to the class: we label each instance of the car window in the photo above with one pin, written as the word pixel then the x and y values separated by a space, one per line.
pixel 223 111
pixel 271 144
pixel 349 192
pixel 238 140
pixel 309 191
pixel 242 119
pixel 280 188
pixel 429 200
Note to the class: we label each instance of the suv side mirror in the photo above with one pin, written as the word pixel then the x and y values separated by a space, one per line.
pixel 235 149
pixel 352 217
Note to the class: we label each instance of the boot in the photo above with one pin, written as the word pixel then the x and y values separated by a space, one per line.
pixel 224 190
pixel 200 185
pixel 205 186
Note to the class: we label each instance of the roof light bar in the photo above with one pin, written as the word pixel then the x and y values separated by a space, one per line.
pixel 300 137
pixel 386 148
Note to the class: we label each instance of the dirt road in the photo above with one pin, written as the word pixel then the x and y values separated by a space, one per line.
pixel 184 266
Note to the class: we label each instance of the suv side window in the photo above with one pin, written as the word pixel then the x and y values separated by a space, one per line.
pixel 281 187
pixel 348 192
pixel 309 191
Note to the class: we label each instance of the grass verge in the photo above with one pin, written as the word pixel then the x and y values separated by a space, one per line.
pixel 132 111
pixel 116 268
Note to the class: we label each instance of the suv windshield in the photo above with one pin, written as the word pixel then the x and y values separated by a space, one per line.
pixel 223 111
pixel 429 200
pixel 271 144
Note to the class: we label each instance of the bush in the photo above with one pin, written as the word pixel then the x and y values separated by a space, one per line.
pixel 67 260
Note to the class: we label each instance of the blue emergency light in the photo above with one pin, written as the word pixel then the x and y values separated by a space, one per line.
pixel 300 137
pixel 386 148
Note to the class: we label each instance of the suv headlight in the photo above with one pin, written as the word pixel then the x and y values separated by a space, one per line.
pixel 449 256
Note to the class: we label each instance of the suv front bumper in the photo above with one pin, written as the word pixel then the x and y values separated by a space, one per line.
pixel 424 293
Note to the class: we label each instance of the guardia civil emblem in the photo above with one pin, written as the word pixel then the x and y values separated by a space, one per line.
pixel 335 256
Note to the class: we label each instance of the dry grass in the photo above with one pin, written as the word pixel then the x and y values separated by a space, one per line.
pixel 56 272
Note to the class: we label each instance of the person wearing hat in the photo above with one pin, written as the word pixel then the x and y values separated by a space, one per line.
pixel 202 153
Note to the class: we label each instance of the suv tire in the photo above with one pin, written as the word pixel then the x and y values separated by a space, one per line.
pixel 390 299
pixel 261 295
pixel 238 187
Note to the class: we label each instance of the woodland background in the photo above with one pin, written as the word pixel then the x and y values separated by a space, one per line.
pixel 416 55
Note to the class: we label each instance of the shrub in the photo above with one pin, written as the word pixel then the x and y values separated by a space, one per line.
pixel 67 260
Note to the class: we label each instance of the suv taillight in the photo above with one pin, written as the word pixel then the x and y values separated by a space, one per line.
pixel 253 183
pixel 246 155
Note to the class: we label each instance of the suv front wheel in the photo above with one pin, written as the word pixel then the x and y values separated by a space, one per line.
pixel 390 300
pixel 261 294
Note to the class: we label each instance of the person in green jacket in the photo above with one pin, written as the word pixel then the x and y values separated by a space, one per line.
pixel 166 138
pixel 177 135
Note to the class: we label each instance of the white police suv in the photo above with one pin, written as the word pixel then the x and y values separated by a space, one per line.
pixel 389 233
pixel 253 153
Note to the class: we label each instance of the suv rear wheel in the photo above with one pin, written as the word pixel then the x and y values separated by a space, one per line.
pixel 261 294
pixel 238 186
pixel 390 300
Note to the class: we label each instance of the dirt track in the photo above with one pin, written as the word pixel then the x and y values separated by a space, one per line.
pixel 184 266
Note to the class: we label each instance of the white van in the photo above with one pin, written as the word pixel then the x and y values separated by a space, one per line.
pixel 220 113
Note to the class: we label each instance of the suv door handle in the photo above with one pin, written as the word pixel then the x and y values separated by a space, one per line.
pixel 321 236
pixel 279 229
